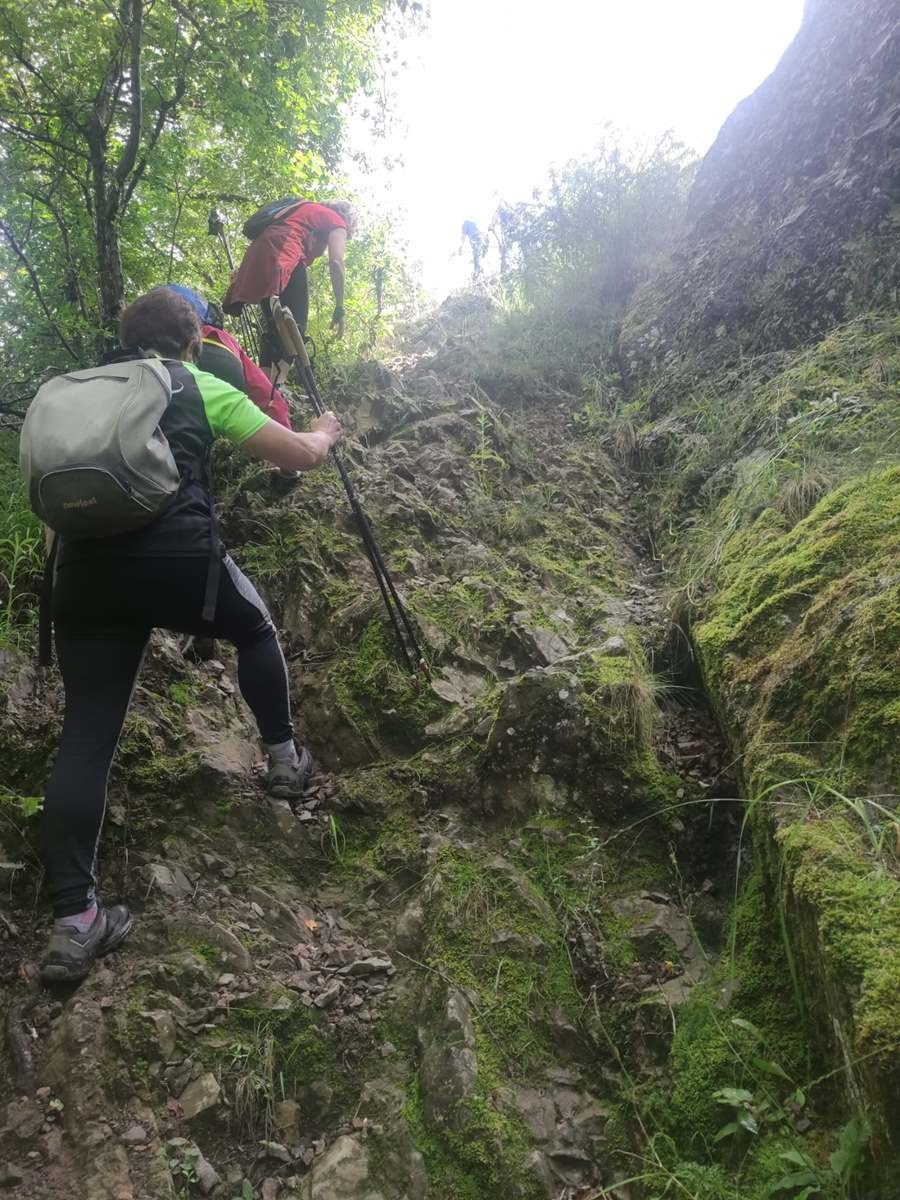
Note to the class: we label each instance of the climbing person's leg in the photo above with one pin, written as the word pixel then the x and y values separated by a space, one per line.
pixel 271 352
pixel 242 618
pixel 99 674
pixel 168 593
pixel 296 296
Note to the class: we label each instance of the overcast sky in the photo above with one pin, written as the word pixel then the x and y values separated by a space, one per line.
pixel 496 91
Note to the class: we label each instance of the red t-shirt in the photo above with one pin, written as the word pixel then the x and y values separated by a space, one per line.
pixel 272 258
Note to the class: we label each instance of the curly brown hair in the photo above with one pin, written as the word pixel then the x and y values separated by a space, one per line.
pixel 163 321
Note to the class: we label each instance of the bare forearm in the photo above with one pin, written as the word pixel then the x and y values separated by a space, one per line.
pixel 336 269
pixel 287 450
pixel 308 452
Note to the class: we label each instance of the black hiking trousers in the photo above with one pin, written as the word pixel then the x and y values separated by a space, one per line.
pixel 103 613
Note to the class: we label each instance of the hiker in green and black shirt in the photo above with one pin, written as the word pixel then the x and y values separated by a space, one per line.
pixel 111 592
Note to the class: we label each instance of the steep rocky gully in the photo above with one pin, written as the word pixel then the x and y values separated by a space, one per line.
pixel 521 933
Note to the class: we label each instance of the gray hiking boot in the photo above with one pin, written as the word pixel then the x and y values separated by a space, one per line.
pixel 287 781
pixel 71 954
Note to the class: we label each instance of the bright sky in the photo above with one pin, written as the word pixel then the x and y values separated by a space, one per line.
pixel 497 91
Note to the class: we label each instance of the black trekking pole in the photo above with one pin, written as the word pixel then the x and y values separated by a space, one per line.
pixel 216 228
pixel 402 626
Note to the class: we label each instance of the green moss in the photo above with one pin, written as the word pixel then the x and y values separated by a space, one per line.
pixel 460 608
pixel 263 1054
pixel 856 901
pixel 153 761
pixel 708 1052
pixel 208 952
pixel 449 1177
pixel 183 693
pixel 475 904
pixel 794 629
pixel 373 848
pixel 376 694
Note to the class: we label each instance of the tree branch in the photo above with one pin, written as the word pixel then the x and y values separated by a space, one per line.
pixel 29 135
pixel 165 108
pixel 67 245
pixel 35 283
pixel 129 154
pixel 18 53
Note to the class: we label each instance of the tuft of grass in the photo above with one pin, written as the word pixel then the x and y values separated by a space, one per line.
pixel 799 495
pixel 21 561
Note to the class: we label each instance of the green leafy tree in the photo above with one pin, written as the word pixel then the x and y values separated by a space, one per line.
pixel 123 121
pixel 590 238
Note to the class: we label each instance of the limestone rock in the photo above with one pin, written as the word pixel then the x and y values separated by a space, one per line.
pixel 657 930
pixel 539 1170
pixel 367 966
pixel 11 1175
pixel 287 1117
pixel 449 1066
pixel 284 921
pixel 234 950
pixel 134 1135
pixel 401 1168
pixel 456 721
pixel 458 687
pixel 537 1111
pixel 800 177
pixel 207 1176
pixel 342 1173
pixel 170 879
pixel 166 1033
pixel 23 1118
pixel 200 1096
pixel 409 930
pixel 541 645
pixel 614 647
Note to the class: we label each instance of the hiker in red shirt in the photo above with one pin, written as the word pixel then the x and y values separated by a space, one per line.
pixel 293 234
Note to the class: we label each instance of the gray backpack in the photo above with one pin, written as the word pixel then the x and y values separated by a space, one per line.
pixel 92 453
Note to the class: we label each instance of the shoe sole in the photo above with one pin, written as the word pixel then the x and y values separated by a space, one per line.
pixel 60 973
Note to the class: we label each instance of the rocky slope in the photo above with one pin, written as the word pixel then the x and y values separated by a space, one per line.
pixel 541 930
pixel 438 975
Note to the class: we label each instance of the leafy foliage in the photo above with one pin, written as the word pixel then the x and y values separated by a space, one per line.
pixel 603 223
pixel 20 551
pixel 123 123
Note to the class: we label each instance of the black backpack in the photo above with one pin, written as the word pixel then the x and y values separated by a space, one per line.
pixel 269 214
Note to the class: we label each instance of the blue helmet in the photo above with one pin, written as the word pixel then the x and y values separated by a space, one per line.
pixel 204 310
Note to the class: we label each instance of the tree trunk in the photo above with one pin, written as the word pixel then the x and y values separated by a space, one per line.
pixel 109 269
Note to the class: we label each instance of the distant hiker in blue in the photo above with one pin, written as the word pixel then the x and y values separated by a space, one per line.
pixel 473 235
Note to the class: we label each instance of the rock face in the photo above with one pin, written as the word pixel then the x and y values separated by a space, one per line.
pixel 793 209
pixel 200 1096
pixel 449 1067
pixel 342 1173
